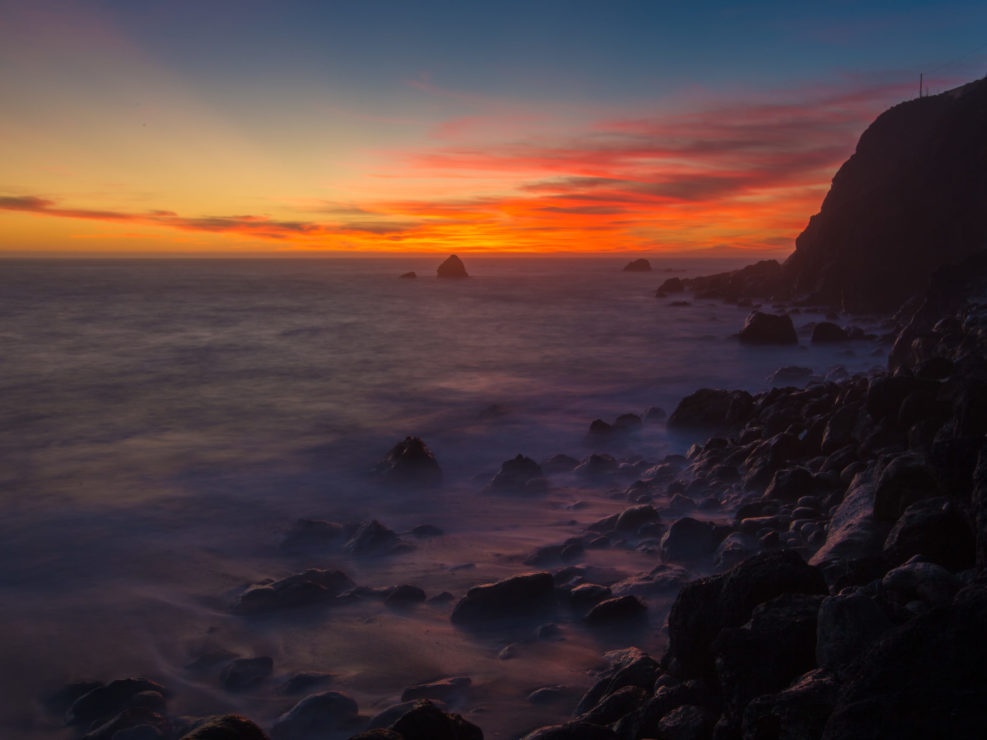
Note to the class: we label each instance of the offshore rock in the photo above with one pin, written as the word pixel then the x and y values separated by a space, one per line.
pixel 712 410
pixel 638 265
pixel 519 475
pixel 452 267
pixel 410 462
pixel 519 595
pixel 766 328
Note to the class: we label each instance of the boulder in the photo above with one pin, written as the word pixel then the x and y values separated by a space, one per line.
pixel 452 267
pixel 410 463
pixel 246 673
pixel 712 410
pixel 766 328
pixel 315 716
pixel 936 529
pixel 632 518
pixel 902 482
pixel 519 475
pixel 226 727
pixel 853 532
pixel 687 722
pixel 848 624
pixel 427 722
pixel 450 690
pixel 571 731
pixel 615 705
pixel 797 713
pixel 638 265
pixel 616 610
pixel 106 701
pixel 519 595
pixel 688 539
pixel 308 588
pixel 373 538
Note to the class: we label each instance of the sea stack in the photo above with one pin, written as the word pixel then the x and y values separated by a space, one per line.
pixel 639 265
pixel 453 267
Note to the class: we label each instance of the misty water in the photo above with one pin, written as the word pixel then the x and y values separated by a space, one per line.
pixel 165 421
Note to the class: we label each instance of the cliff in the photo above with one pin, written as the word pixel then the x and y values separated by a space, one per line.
pixel 911 198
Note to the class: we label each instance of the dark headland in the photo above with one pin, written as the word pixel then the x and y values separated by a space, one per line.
pixel 848 534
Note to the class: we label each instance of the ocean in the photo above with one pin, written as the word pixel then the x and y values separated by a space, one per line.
pixel 165 421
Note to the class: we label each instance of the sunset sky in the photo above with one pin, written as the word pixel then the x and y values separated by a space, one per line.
pixel 221 127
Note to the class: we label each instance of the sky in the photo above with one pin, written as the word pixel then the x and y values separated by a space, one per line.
pixel 221 127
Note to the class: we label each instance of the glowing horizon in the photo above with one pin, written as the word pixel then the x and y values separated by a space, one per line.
pixel 125 138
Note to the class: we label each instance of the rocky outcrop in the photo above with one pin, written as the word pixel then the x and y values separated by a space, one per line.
pixel 452 267
pixel 638 265
pixel 410 463
pixel 766 328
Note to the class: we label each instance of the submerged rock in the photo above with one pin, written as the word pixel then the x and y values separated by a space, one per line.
pixel 519 475
pixel 452 267
pixel 410 462
pixel 308 588
pixel 246 673
pixel 373 538
pixel 103 702
pixel 408 275
pixel 711 410
pixel 826 332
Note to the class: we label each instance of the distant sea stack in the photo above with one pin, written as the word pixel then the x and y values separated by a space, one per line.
pixel 639 265
pixel 910 199
pixel 453 267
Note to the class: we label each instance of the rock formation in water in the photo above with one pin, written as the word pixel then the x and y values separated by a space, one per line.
pixel 452 267
pixel 410 463
pixel 638 265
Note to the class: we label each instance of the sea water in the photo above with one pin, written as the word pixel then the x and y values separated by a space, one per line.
pixel 165 421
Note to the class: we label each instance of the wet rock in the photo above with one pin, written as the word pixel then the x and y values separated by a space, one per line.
pixel 309 588
pixel 612 707
pixel 373 538
pixel 393 713
pixel 734 549
pixel 571 731
pixel 766 328
pixel 452 267
pixel 903 481
pixel 628 667
pixel 311 534
pixel 631 519
pixel 133 721
pixel 315 715
pixel 638 265
pixel 853 532
pixel 924 679
pixel 597 466
pixel 936 529
pixel 547 695
pixel 826 332
pixel 226 727
pixel 560 464
pixel 452 690
pixel 790 484
pixel 688 539
pixel 410 463
pixel 616 609
pixel 706 606
pixel 848 624
pixel 797 713
pixel 104 702
pixel 404 595
pixel 586 595
pixel 712 410
pixel 516 596
pixel 660 580
pixel 519 475
pixel 687 722
pixel 427 722
pixel 246 673
pixel 917 581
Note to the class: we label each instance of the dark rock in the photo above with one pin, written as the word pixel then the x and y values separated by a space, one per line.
pixel 141 732
pixel 407 275
pixel 627 423
pixel 587 594
pixel 766 328
pixel 687 722
pixel 560 464
pixel 734 549
pixel 936 529
pixel 797 713
pixel 519 475
pixel 302 589
pixel 450 690
pixel 404 595
pixel 616 609
pixel 373 538
pixel 826 332
pixel 133 721
pixel 671 285
pixel 706 606
pixel 688 539
pixel 790 484
pixel 638 265
pixel 315 715
pixel 903 481
pixel 571 731
pixel 410 463
pixel 924 679
pixel 853 533
pixel 427 722
pixel 390 715
pixel 452 267
pixel 791 374
pixel 631 519
pixel 597 466
pixel 840 428
pixel 104 702
pixel 655 414
pixel 58 703
pixel 919 582
pixel 766 654
pixel 518 595
pixel 381 733
pixel 763 279
pixel 547 695
pixel 615 705
pixel 426 531
pixel 629 667
pixel 303 683
pixel 311 534
pixel 246 673
pixel 226 727
pixel 848 624
pixel 660 580
pixel 712 410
